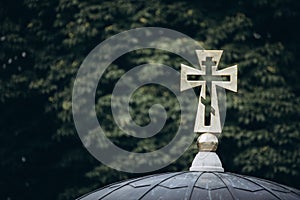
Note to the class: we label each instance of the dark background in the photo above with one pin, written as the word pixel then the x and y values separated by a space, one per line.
pixel 42 44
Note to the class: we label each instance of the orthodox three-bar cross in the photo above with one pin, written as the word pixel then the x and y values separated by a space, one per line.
pixel 211 77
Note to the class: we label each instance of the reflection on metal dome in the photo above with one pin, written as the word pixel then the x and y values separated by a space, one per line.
pixel 194 186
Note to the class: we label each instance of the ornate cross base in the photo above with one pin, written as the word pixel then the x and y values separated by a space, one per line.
pixel 207 159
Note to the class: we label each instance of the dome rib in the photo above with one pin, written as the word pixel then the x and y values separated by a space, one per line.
pixel 179 173
pixel 129 182
pixel 260 185
pixel 118 187
pixel 278 185
pixel 190 189
pixel 229 187
pixel 285 187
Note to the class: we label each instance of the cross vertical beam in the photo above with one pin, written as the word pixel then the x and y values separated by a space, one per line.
pixel 208 63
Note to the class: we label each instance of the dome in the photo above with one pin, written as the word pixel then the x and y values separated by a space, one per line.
pixel 194 185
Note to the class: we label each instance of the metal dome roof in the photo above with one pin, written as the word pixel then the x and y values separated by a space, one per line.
pixel 194 186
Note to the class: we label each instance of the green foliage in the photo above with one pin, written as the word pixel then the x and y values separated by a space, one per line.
pixel 43 44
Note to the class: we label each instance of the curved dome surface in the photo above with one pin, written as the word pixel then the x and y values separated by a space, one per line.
pixel 194 186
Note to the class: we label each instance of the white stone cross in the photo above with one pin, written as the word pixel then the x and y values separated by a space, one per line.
pixel 211 77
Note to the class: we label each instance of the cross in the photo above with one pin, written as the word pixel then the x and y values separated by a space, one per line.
pixel 208 60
